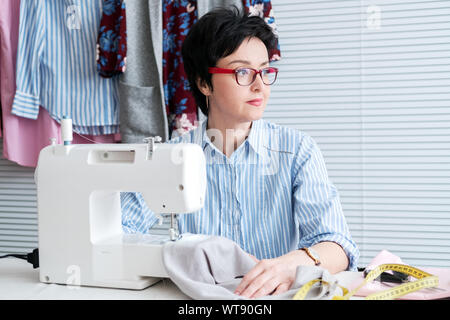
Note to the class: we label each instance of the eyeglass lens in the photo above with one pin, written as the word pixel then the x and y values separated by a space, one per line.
pixel 245 76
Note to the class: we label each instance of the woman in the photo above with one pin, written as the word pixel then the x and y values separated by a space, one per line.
pixel 267 185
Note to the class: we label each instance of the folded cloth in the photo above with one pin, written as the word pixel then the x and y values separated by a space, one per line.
pixel 211 267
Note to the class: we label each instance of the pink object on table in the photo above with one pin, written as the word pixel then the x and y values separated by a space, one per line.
pixel 385 257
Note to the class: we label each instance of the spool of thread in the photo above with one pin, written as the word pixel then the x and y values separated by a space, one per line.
pixel 66 130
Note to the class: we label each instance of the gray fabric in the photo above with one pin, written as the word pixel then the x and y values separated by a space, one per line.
pixel 211 267
pixel 139 116
pixel 203 6
pixel 141 96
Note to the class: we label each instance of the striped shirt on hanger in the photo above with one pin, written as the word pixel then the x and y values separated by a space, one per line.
pixel 271 196
pixel 56 66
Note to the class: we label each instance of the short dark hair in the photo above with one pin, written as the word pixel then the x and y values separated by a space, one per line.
pixel 215 35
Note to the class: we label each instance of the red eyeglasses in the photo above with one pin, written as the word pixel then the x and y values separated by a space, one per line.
pixel 246 76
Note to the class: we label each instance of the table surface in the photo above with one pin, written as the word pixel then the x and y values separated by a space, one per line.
pixel 19 281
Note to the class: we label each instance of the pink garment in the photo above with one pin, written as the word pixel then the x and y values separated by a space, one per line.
pixel 24 138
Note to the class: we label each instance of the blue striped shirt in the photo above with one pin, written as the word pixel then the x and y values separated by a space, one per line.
pixel 271 196
pixel 56 66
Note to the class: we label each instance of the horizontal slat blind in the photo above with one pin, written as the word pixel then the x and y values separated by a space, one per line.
pixel 18 212
pixel 370 81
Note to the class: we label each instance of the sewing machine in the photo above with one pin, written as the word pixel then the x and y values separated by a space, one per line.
pixel 81 241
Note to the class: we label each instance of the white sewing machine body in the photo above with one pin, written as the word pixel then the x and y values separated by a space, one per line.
pixel 81 241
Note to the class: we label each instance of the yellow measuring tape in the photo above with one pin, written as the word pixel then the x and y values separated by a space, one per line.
pixel 425 280
pixel 303 292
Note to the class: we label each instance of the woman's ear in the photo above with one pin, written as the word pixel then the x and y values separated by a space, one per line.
pixel 203 87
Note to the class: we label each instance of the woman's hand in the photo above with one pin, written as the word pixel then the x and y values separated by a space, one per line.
pixel 275 276
pixel 271 276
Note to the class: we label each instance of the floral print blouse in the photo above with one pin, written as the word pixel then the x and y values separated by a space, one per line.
pixel 112 39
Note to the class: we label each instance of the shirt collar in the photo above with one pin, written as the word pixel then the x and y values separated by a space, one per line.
pixel 204 139
pixel 256 139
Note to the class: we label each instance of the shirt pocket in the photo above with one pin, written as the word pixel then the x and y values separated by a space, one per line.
pixel 142 113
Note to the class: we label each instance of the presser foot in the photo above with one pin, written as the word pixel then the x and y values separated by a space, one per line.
pixel 174 235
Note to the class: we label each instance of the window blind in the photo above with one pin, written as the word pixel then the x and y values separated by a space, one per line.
pixel 18 213
pixel 370 81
